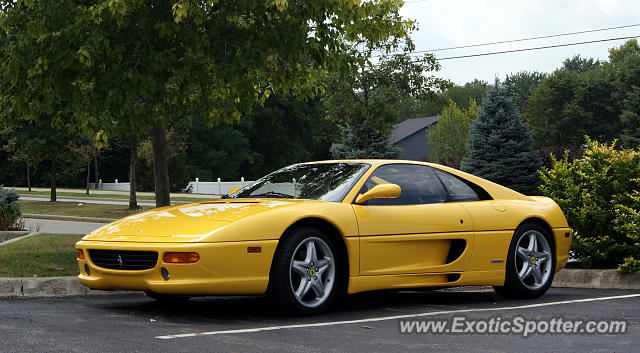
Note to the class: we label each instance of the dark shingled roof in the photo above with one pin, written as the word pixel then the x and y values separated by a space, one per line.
pixel 410 126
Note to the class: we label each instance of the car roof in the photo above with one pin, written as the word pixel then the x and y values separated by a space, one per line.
pixel 367 161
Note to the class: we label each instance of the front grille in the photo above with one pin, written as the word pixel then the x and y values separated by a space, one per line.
pixel 124 259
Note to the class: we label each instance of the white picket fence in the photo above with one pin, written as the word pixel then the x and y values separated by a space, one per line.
pixel 194 187
pixel 214 187
pixel 110 186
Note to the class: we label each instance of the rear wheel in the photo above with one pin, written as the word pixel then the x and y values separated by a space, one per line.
pixel 305 272
pixel 530 263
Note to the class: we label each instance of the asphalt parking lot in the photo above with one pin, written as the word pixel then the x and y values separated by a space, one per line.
pixel 365 322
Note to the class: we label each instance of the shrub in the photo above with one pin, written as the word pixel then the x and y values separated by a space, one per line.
pixel 601 199
pixel 9 210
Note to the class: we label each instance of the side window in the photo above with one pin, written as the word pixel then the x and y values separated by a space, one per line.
pixel 418 183
pixel 457 190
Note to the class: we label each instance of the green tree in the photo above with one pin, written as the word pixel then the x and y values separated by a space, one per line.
pixel 499 145
pixel 447 140
pixel 579 64
pixel 366 104
pixel 151 61
pixel 568 105
pixel 625 62
pixel 354 138
pixel 520 85
pixel 463 95
pixel 34 142
pixel 286 131
pixel 23 148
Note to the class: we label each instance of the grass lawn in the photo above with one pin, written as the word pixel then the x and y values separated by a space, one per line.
pixel 114 196
pixel 76 209
pixel 43 255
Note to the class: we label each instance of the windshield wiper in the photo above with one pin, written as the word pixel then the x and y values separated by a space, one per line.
pixel 273 194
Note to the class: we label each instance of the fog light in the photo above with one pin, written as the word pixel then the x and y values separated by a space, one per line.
pixel 87 269
pixel 180 257
pixel 165 274
pixel 80 254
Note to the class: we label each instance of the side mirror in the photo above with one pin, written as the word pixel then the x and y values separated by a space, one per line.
pixel 233 190
pixel 380 191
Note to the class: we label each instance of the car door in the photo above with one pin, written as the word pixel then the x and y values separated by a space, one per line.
pixel 492 224
pixel 417 232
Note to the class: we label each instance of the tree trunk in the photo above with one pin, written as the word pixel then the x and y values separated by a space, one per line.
pixel 88 173
pixel 366 143
pixel 96 174
pixel 29 176
pixel 53 179
pixel 133 203
pixel 160 165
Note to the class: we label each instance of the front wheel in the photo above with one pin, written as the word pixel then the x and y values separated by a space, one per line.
pixel 305 273
pixel 531 263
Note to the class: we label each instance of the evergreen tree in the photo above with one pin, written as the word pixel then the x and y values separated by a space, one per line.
pixel 352 144
pixel 499 145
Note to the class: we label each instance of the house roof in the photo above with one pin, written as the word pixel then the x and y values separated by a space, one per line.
pixel 410 126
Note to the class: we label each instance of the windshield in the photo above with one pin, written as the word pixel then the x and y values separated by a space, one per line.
pixel 321 181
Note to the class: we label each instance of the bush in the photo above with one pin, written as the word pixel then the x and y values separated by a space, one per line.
pixel 9 210
pixel 601 199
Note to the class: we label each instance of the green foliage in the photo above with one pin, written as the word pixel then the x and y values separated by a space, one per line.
pixel 600 196
pixel 587 97
pixel 141 62
pixel 129 65
pixel 282 132
pixel 630 265
pixel 462 96
pixel 9 209
pixel 568 105
pixel 499 145
pixel 447 140
pixel 369 102
pixel 579 64
pixel 352 144
pixel 626 65
pixel 520 85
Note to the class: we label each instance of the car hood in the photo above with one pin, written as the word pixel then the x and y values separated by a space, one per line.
pixel 182 223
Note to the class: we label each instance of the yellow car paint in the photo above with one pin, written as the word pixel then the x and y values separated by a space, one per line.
pixel 386 246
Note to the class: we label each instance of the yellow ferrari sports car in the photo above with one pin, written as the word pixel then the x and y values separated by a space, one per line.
pixel 310 232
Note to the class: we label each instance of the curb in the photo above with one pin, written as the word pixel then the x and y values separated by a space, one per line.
pixel 598 279
pixel 46 287
pixel 68 218
pixel 6 236
pixel 25 234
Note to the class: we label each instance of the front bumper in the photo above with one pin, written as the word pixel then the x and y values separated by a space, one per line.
pixel 223 268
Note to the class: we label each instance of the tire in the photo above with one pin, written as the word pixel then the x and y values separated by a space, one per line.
pixel 531 263
pixel 306 273
pixel 167 298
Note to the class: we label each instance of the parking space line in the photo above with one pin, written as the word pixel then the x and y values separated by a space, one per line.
pixel 387 318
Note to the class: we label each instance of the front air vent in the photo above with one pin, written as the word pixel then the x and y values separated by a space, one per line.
pixel 124 259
